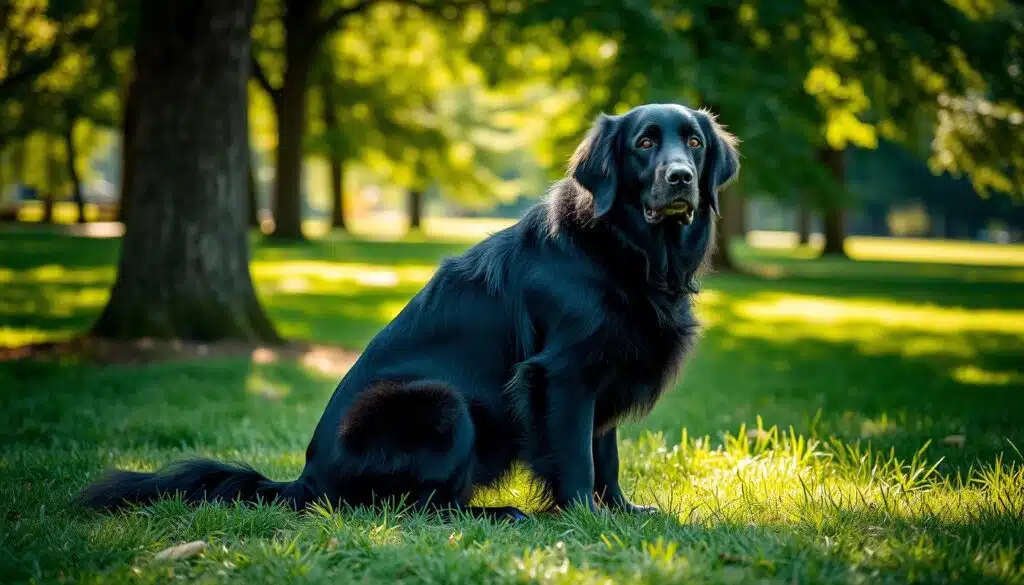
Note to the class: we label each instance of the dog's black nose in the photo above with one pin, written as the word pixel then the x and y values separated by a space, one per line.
pixel 676 174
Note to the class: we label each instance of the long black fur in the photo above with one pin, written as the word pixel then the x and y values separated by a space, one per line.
pixel 529 348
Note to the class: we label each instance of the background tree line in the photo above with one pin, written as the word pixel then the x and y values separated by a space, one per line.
pixel 480 101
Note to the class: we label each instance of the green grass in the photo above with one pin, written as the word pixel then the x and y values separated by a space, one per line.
pixel 889 391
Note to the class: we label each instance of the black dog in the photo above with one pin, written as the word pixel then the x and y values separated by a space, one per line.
pixel 530 347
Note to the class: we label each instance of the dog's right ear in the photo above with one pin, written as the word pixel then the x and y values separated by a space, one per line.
pixel 595 162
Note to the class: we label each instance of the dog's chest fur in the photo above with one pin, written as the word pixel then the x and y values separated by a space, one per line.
pixel 652 336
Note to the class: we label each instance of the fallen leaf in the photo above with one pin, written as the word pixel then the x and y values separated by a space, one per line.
pixel 182 551
pixel 955 440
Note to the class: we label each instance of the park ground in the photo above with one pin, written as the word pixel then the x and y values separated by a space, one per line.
pixel 842 422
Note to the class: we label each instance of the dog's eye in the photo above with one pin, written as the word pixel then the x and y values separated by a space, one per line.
pixel 645 143
pixel 695 142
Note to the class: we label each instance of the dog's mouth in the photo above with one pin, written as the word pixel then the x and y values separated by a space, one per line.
pixel 680 210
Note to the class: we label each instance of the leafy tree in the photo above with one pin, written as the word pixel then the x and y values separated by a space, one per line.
pixel 184 267
pixel 290 37
pixel 64 92
pixel 400 95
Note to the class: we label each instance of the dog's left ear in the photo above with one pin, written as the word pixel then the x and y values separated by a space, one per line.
pixel 594 163
pixel 722 162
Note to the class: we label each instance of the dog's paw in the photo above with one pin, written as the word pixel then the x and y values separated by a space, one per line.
pixel 634 508
pixel 509 514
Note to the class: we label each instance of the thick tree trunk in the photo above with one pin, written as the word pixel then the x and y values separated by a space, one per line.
pixel 290 106
pixel 76 181
pixel 415 210
pixel 184 267
pixel 833 215
pixel 337 159
pixel 129 122
pixel 803 225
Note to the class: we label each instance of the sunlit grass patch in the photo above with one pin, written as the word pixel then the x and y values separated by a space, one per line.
pixel 758 506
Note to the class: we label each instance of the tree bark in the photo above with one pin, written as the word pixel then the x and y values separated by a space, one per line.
pixel 253 207
pixel 338 187
pixel 337 160
pixel 833 215
pixel 803 225
pixel 300 21
pixel 129 122
pixel 415 209
pixel 184 267
pixel 76 181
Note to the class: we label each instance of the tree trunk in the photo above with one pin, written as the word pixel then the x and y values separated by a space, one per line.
pixel 338 188
pixel 803 224
pixel 129 122
pixel 253 200
pixel 49 194
pixel 76 181
pixel 833 215
pixel 337 160
pixel 835 232
pixel 290 107
pixel 415 205
pixel 730 225
pixel 184 267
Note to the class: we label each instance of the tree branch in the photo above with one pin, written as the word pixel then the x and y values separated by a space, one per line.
pixel 331 22
pixel 29 72
pixel 257 73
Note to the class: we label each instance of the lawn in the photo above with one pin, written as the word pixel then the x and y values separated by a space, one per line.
pixel 842 422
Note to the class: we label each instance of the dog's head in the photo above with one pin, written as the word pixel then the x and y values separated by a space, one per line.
pixel 664 162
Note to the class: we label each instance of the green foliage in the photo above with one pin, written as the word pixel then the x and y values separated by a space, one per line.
pixel 790 77
pixel 413 107
pixel 65 61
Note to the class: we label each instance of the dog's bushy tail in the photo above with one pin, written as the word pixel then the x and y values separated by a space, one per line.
pixel 196 480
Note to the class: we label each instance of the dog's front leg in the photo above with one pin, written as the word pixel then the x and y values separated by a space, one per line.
pixel 564 460
pixel 606 472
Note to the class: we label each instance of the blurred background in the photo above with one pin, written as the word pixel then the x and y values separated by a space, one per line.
pixel 892 121
pixel 208 208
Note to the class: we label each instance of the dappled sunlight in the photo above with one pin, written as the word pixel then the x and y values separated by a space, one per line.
pixel 906 250
pixel 55 273
pixel 327 362
pixel 973 375
pixel 873 326
pixel 18 336
pixel 822 311
pixel 363 274
pixel 936 251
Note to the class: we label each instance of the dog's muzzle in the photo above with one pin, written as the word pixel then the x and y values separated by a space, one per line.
pixel 680 209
